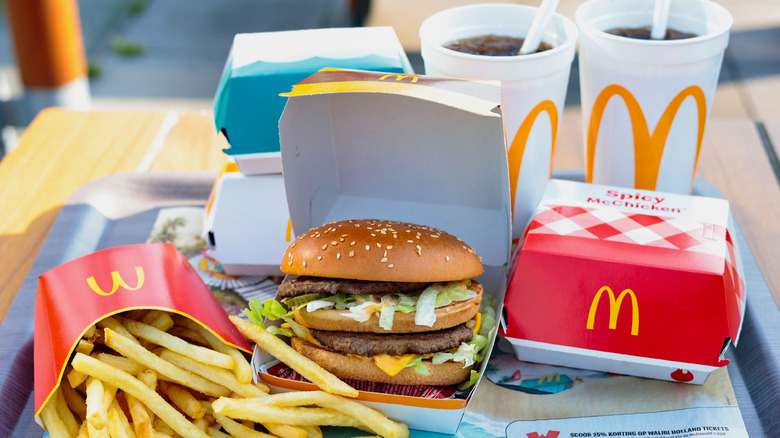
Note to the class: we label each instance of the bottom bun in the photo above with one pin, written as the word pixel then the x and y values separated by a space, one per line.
pixel 363 368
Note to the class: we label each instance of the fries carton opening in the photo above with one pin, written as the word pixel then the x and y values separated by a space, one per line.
pixel 627 281
pixel 133 329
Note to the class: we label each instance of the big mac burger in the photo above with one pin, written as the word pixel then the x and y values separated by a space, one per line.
pixel 383 301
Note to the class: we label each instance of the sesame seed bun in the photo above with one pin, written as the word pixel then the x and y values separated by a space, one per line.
pixel 379 250
pixel 363 368
pixel 448 316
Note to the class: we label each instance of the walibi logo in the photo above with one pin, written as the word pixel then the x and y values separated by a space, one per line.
pixel 549 434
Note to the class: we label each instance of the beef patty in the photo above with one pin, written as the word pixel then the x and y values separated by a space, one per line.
pixel 372 344
pixel 306 285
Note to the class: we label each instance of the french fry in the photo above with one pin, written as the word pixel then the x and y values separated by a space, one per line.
pixel 312 431
pixel 118 424
pixel 83 430
pixel 65 413
pixel 142 424
pixel 300 363
pixel 75 401
pixel 84 346
pixel 97 433
pixel 90 332
pixel 185 401
pixel 97 411
pixel 178 345
pixel 157 319
pixel 52 421
pixel 202 423
pixel 161 427
pixel 250 409
pixel 374 420
pixel 214 433
pixel 113 324
pixel 218 375
pixel 127 365
pixel 285 431
pixel 149 378
pixel 126 348
pixel 241 368
pixel 76 378
pixel 188 335
pixel 238 430
pixel 134 387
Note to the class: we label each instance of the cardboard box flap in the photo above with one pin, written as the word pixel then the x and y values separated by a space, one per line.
pixel 261 65
pixel 479 97
pixel 366 145
pixel 75 295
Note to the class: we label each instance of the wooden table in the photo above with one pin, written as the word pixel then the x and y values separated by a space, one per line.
pixel 62 150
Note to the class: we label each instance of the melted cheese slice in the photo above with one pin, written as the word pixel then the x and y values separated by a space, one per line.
pixel 478 322
pixel 393 365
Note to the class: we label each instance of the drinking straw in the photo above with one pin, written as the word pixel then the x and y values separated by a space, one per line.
pixel 534 37
pixel 660 19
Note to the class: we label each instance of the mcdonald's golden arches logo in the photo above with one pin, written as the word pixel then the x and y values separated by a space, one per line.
pixel 117 282
pixel 648 148
pixel 517 149
pixel 399 77
pixel 614 309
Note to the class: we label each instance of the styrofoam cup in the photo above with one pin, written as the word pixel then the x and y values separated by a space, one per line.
pixel 645 102
pixel 533 86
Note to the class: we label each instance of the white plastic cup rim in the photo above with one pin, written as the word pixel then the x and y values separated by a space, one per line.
pixel 590 18
pixel 433 36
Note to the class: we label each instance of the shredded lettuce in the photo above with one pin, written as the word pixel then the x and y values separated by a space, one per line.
pixel 473 377
pixel 418 366
pixel 311 306
pixel 359 305
pixel 426 306
pixel 386 312
pixel 454 291
pixel 300 300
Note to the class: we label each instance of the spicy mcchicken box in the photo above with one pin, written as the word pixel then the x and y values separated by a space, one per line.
pixel 628 281
pixel 75 295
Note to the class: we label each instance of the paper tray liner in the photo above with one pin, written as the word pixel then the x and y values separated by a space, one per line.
pixel 437 397
pixel 75 295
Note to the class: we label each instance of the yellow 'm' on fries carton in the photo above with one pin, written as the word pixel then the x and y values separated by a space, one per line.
pixel 74 296
pixel 418 149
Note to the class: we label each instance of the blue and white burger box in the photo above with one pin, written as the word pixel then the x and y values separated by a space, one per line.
pixel 260 66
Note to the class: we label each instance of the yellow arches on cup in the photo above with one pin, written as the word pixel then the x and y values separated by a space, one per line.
pixel 517 149
pixel 648 149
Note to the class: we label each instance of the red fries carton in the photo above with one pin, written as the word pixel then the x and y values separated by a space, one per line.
pixel 627 281
pixel 75 295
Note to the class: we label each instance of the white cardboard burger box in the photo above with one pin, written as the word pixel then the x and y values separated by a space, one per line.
pixel 430 151
pixel 247 222
pixel 262 65
pixel 627 281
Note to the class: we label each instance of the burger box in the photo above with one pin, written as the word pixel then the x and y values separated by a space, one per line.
pixel 408 148
pixel 75 295
pixel 262 65
pixel 626 281
pixel 247 222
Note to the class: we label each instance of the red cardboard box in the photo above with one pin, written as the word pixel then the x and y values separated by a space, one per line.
pixel 627 281
pixel 75 295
